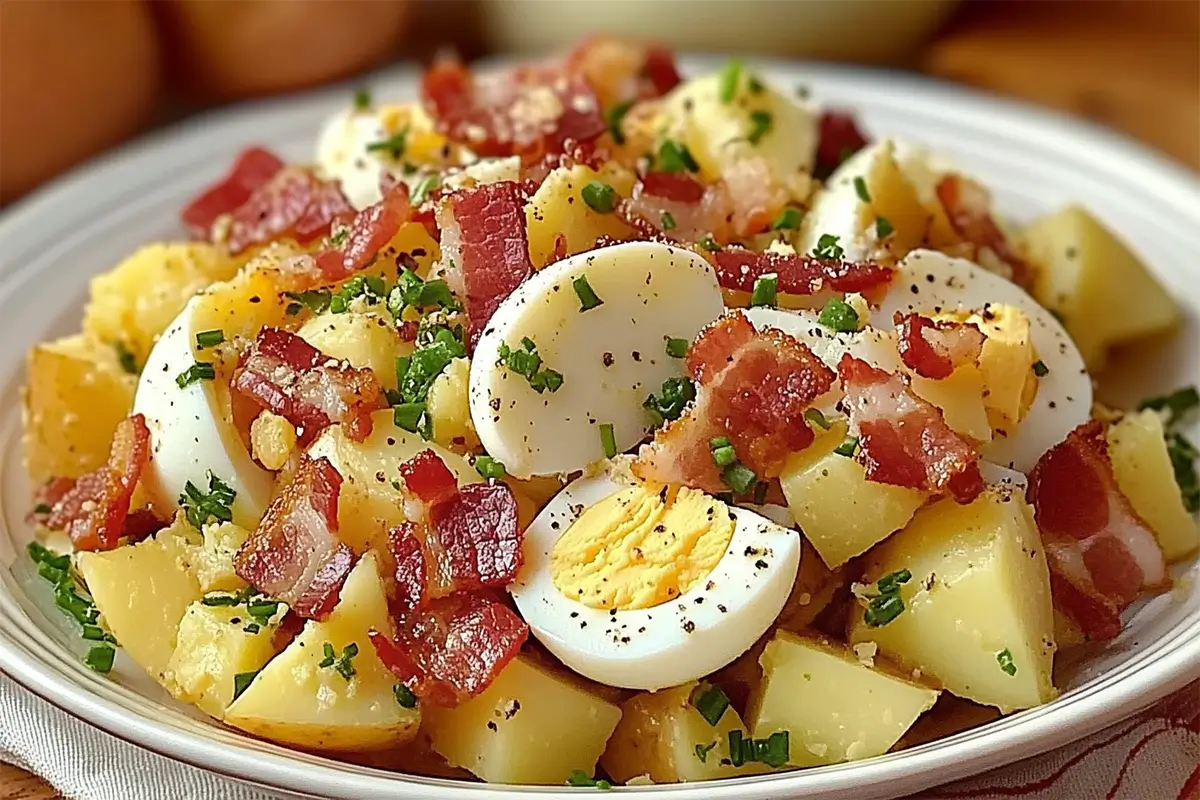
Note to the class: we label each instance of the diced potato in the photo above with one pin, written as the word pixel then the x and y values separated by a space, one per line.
pixel 557 209
pixel 1006 364
pixel 212 563
pixel 136 300
pixel 211 649
pixel 143 591
pixel 840 511
pixel 412 246
pixel 894 198
pixel 251 299
pixel 76 394
pixel 366 340
pixel 834 707
pixel 296 701
pixel 1144 474
pixel 661 734
pixel 272 440
pixel 370 501
pixel 449 408
pixel 423 145
pixel 980 588
pixel 960 396
pixel 529 726
pixel 1102 291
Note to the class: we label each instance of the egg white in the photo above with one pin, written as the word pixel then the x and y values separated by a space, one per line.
pixel 611 357
pixel 188 433
pixel 670 644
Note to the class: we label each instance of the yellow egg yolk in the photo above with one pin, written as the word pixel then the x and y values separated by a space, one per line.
pixel 641 547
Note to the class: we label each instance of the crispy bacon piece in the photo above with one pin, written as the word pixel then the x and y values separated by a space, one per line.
pixel 94 510
pixel 969 207
pixel 839 139
pixel 141 524
pixel 451 650
pixel 753 388
pixel 289 377
pixel 738 268
pixel 427 476
pixel 678 186
pixel 528 111
pixel 678 208
pixel 484 237
pixel 621 71
pixel 935 349
pixel 1101 553
pixel 370 232
pixel 903 440
pixel 294 554
pixel 294 204
pixel 254 167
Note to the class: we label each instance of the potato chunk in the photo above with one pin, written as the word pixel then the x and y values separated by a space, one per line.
pixel 557 209
pixel 977 613
pixel 368 340
pixel 842 513
pixel 1103 292
pixel 1145 475
pixel 529 726
pixel 76 395
pixel 834 707
pixel 449 408
pixel 213 562
pixel 143 591
pixel 661 734
pixel 296 701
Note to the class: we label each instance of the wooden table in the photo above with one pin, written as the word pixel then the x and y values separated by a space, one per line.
pixel 1133 65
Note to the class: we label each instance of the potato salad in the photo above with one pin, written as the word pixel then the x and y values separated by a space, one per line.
pixel 582 423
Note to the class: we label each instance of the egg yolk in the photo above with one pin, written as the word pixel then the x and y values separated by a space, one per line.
pixel 641 547
pixel 1006 363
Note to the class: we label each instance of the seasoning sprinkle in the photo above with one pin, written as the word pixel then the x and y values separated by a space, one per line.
pixel 587 296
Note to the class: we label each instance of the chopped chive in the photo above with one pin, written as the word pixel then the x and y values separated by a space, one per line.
pixel 1005 660
pixel 773 751
pixel 200 371
pixel 94 633
pixel 220 600
pixel 839 315
pixel 100 658
pixel 1040 369
pixel 814 417
pixel 315 300
pixel 394 144
pixel 860 189
pixel 737 753
pixel 847 447
pixel 702 751
pixel 422 189
pixel 408 416
pixel 1183 455
pixel 362 98
pixel 891 582
pixel 788 219
pixel 738 477
pixel 668 221
pixel 724 456
pixel 42 508
pixel 887 604
pixel 765 287
pixel 731 75
pixel 581 779
pixel 126 358
pixel 828 247
pixel 883 228
pixel 760 122
pixel 200 507
pixel 1177 404
pixel 710 244
pixel 599 196
pixel 404 696
pixel 760 492
pixel 608 439
pixel 52 574
pixel 718 441
pixel 675 157
pixel 711 702
pixel 614 118
pixel 676 393
pixel 242 681
pixel 489 467
pixel 587 296
pixel 209 338
pixel 39 554
pixel 677 348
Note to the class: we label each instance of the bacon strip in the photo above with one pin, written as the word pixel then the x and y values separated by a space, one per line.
pixel 289 377
pixel 903 440
pixel 454 648
pixel 935 349
pixel 294 554
pixel 369 233
pixel 94 511
pixel 754 387
pixel 484 237
pixel 620 71
pixel 1101 553
pixel 839 139
pixel 968 205
pixel 738 268
pixel 253 167
pixel 294 204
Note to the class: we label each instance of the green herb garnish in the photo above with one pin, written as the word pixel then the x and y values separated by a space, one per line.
pixel 711 702
pixel 242 681
pixel 669 404
pixel 765 288
pixel 404 696
pixel 814 417
pixel 731 76
pixel 738 477
pixel 828 247
pixel 489 467
pixel 599 196
pixel 1005 660
pixel 772 751
pixel 394 144
pixel 608 439
pixel 526 362
pixel 422 189
pixel 668 221
pixel 710 244
pixel 702 751
pixel 315 300
pixel 788 219
pixel 582 779
pixel 209 338
pixel 362 98
pixel 126 358
pixel 1177 404
pixel 201 507
pixel 839 315
pixel 614 117
pixel 586 294
pixel 883 227
pixel 675 157
pixel 343 663
pixel 887 604
pixel 677 348
pixel 1040 369
pixel 409 416
pixel 1183 455
pixel 860 189
pixel 100 658
pixel 199 371
pixel 760 124
pixel 847 447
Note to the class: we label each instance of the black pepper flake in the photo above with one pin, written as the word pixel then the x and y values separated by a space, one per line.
pixel 689 626
pixel 608 359
pixel 760 564
pixel 721 607
pixel 255 299
pixel 492 726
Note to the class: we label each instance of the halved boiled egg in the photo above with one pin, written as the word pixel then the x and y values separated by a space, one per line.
pixel 190 431
pixel 601 320
pixel 648 586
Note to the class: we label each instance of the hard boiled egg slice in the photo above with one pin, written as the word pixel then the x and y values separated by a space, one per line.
pixel 190 432
pixel 645 587
pixel 611 356
pixel 932 283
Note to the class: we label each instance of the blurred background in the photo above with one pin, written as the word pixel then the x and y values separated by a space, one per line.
pixel 80 76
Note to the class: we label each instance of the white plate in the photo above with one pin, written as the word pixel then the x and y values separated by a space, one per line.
pixel 83 224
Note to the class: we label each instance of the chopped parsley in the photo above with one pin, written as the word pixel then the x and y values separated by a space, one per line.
pixel 1040 369
pixel 599 196
pixel 404 696
pixel 315 300
pixel 814 417
pixel 731 76
pixel 489 467
pixel 417 372
pixel 412 418
pixel 72 599
pixel 711 702
pixel 668 221
pixel 1176 407
pixel 412 292
pixel 847 447
pixel 615 117
pixel 199 371
pixel 883 227
pixel 860 189
pixel 200 507
pixel 422 188
pixel 772 751
pixel 1005 660
pixel 369 287
pixel 760 125
pixel 126 358
pixel 765 288
pixel 710 244
pixel 209 338
pixel 588 299
pixel 608 439
pixel 343 663
pixel 581 779
pixel 393 145
pixel 362 98
pixel 1177 404
pixel 886 604
pixel 676 393
pixel 839 315
pixel 526 362
pixel 675 157
pixel 677 348
pixel 702 751
pixel 788 219
pixel 242 681
pixel 828 247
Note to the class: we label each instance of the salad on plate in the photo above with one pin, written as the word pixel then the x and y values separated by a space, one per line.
pixel 582 423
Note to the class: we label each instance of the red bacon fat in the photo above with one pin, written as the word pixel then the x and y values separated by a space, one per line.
pixel 370 231
pixel 295 554
pixel 294 204
pixel 253 168
pixel 738 268
pixel 753 388
pixel 839 139
pixel 94 510
pixel 935 349
pixel 621 71
pixel 289 377
pixel 903 440
pixel 1101 553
